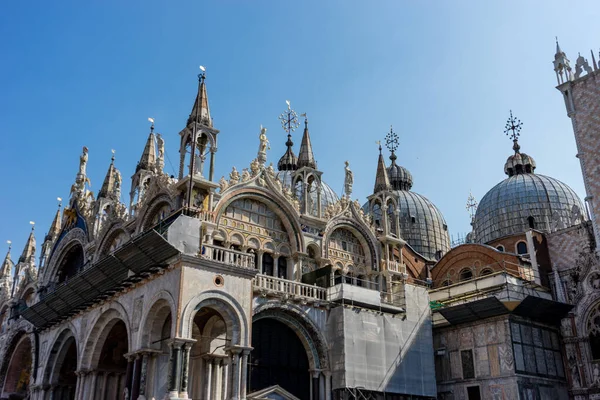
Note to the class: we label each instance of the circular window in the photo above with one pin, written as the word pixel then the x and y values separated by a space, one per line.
pixel 219 281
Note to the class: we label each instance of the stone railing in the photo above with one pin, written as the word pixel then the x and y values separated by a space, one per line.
pixel 228 256
pixel 395 266
pixel 265 283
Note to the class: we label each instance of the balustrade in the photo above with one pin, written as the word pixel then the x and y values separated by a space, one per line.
pixel 228 256
pixel 292 288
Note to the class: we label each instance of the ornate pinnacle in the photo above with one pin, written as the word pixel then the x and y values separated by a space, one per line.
pixel 391 140
pixel 289 119
pixel 471 206
pixel 513 130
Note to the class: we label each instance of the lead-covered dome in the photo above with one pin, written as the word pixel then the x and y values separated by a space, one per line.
pixel 525 200
pixel 422 224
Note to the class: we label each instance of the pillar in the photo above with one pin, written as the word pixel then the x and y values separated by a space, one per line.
pixel 215 378
pixel 235 374
pixel 225 379
pixel 185 367
pixel 175 375
pixel 327 375
pixel 144 374
pixel 208 377
pixel 137 375
pixel 129 375
pixel 276 264
pixel 244 378
pixel 314 384
pixel 259 258
pixel 211 173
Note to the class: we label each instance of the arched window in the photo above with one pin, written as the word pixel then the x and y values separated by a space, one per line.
pixel 593 327
pixel 521 248
pixel 282 267
pixel 500 248
pixel 71 264
pixel 337 277
pixel 531 222
pixel 465 274
pixel 376 212
pixel 447 282
pixel 267 264
pixel 486 271
pixel 391 215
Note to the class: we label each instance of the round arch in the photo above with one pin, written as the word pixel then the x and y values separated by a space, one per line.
pixel 223 303
pixel 98 334
pixel 366 240
pixel 115 231
pixel 309 334
pixel 280 207
pixel 151 209
pixel 75 237
pixel 15 373
pixel 63 355
pixel 162 304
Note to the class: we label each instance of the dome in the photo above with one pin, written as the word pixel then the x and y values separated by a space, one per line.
pixel 523 201
pixel 422 224
pixel 328 196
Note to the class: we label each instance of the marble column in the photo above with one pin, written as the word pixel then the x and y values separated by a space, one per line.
pixel 224 379
pixel 144 374
pixel 137 376
pixel 185 367
pixel 327 375
pixel 314 384
pixel 215 378
pixel 129 375
pixel 235 374
pixel 175 369
pixel 244 368
pixel 208 377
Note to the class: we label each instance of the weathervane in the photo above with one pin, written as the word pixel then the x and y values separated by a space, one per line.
pixel 391 140
pixel 289 119
pixel 471 205
pixel 513 130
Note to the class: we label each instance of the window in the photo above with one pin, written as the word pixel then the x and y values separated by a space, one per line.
pixel 267 264
pixel 468 367
pixel 500 248
pixel 521 248
pixel 282 267
pixel 473 393
pixel 465 274
pixel 536 351
pixel 531 222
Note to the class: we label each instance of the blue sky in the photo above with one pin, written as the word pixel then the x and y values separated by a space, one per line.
pixel 444 73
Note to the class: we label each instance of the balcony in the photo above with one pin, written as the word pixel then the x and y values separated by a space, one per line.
pixel 228 256
pixel 393 266
pixel 270 285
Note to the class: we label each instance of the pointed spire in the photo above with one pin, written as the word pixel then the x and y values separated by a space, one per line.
pixel 558 50
pixel 201 111
pixel 108 186
pixel 562 66
pixel 56 223
pixel 28 255
pixel 7 264
pixel 382 182
pixel 148 159
pixel 306 157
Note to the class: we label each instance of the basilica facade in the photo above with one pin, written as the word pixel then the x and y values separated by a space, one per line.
pixel 267 284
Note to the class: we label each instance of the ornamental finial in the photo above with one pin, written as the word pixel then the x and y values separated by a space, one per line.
pixel 513 130
pixel 289 119
pixel 471 206
pixel 391 142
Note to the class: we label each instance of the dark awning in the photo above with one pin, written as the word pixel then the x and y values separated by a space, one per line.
pixel 542 310
pixel 473 311
pixel 140 255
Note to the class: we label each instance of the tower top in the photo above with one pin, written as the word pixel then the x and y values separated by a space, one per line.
pixel 382 182
pixel 201 111
pixel 518 163
pixel 306 157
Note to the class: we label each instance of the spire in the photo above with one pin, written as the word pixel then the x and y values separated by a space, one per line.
pixel 382 182
pixel 201 111
pixel 306 157
pixel 111 184
pixel 148 159
pixel 562 66
pixel 56 224
pixel 28 255
pixel 7 264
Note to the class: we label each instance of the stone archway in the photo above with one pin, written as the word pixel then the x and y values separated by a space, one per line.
pixel 61 366
pixel 17 371
pixel 283 321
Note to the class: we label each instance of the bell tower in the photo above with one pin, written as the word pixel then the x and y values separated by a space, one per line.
pixel 581 93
